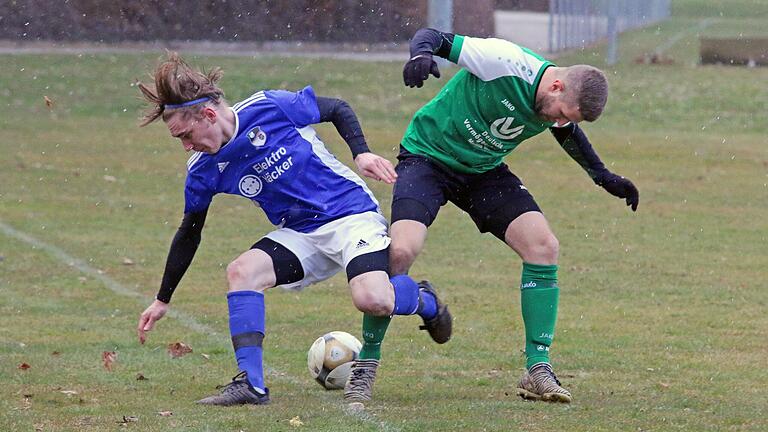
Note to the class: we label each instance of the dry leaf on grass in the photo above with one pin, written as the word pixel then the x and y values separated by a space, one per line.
pixel 296 422
pixel 127 261
pixel 178 349
pixel 24 366
pixel 165 413
pixel 110 178
pixel 140 377
pixel 48 102
pixel 109 358
pixel 69 392
pixel 128 419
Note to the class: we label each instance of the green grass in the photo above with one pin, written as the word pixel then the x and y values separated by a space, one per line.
pixel 662 312
pixel 720 8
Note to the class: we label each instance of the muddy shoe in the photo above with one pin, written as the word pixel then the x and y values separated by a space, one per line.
pixel 359 387
pixel 441 326
pixel 540 383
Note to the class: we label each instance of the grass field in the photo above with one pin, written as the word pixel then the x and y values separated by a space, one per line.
pixel 663 312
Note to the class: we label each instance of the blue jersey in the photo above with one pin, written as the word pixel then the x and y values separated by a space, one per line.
pixel 275 159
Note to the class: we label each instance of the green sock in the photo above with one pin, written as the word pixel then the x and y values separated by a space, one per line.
pixel 374 329
pixel 539 295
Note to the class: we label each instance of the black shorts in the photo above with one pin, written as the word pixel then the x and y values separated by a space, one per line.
pixel 492 199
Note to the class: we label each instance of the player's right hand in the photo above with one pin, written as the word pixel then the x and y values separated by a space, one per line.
pixel 622 187
pixel 417 70
pixel 149 317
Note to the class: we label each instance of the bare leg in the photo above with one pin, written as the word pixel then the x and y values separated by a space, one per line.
pixel 530 236
pixel 408 239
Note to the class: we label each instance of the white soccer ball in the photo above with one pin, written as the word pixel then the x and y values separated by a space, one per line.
pixel 330 358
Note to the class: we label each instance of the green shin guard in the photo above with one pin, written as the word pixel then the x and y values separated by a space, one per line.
pixel 539 297
pixel 374 329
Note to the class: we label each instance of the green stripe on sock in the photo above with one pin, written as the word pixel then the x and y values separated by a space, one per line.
pixel 374 329
pixel 539 298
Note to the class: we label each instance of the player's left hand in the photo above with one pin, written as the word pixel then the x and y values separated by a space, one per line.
pixel 623 188
pixel 376 167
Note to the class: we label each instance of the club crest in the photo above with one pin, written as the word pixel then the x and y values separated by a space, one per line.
pixel 257 136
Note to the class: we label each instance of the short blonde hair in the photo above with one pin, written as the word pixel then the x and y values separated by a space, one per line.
pixel 587 87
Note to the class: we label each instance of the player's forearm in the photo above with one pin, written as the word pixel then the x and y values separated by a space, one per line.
pixel 344 119
pixel 428 40
pixel 573 140
pixel 183 248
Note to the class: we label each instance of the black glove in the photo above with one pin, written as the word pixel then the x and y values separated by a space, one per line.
pixel 417 70
pixel 620 187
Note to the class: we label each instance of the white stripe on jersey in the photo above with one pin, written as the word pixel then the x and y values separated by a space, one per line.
pixel 492 58
pixel 253 98
pixel 309 134
pixel 192 159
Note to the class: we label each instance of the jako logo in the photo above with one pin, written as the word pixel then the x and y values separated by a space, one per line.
pixel 530 284
pixel 502 128
pixel 250 186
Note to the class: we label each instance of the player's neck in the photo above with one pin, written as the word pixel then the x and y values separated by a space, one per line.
pixel 549 76
pixel 227 117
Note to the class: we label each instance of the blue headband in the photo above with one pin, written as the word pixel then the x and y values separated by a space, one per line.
pixel 186 104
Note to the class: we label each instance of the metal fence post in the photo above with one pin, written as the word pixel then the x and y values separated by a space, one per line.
pixel 612 55
pixel 440 15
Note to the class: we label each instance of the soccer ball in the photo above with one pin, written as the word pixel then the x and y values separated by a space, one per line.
pixel 330 358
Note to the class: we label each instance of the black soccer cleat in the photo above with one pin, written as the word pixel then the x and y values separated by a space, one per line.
pixel 441 326
pixel 238 392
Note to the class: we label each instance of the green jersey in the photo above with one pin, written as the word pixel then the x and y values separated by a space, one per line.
pixel 484 111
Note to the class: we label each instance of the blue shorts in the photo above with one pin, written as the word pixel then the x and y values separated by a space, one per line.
pixel 492 199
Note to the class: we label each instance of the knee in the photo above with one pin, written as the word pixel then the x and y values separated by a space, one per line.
pixel 400 258
pixel 545 250
pixel 236 275
pixel 373 303
pixel 240 277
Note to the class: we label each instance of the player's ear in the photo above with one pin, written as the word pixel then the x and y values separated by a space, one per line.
pixel 557 86
pixel 209 113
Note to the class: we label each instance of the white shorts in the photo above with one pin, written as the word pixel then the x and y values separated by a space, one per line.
pixel 328 249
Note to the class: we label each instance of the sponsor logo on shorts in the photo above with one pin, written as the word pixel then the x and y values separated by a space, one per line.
pixel 361 243
pixel 531 284
pixel 542 348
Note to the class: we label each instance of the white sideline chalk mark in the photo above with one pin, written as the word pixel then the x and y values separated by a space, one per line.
pixel 185 319
pixel 110 283
pixel 676 38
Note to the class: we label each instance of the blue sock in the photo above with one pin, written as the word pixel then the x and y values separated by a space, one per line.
pixel 246 324
pixel 409 299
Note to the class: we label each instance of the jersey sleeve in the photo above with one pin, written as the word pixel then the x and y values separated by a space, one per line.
pixel 300 107
pixel 492 58
pixel 197 194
